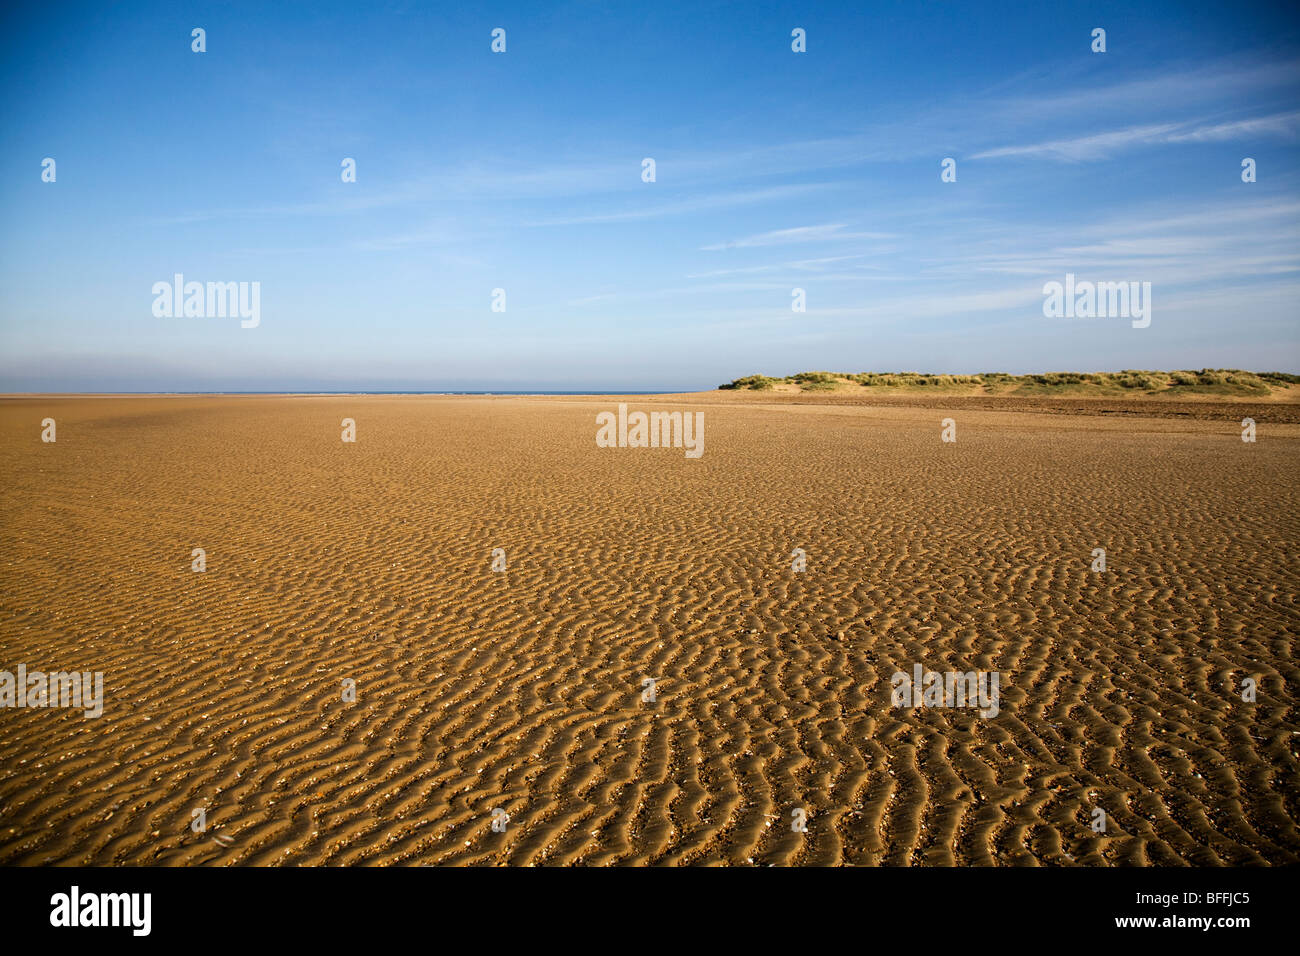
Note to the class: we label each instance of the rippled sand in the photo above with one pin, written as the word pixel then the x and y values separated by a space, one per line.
pixel 522 690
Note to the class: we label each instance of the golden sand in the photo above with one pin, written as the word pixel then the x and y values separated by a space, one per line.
pixel 522 691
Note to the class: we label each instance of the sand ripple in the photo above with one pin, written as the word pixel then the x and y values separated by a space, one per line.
pixel 522 691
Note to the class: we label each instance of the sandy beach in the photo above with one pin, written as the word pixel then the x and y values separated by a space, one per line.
pixel 523 691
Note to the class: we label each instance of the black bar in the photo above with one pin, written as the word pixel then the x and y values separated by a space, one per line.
pixel 338 906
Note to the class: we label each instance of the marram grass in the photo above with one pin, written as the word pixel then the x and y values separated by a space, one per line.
pixel 1207 381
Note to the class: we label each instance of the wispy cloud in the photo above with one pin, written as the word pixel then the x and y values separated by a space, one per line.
pixel 783 237
pixel 1236 242
pixel 404 240
pixel 802 265
pixel 1104 145
pixel 1162 89
pixel 691 205
pixel 1280 124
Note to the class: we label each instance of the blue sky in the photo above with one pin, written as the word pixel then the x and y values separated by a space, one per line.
pixel 522 171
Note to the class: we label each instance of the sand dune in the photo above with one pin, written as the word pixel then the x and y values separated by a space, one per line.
pixel 522 690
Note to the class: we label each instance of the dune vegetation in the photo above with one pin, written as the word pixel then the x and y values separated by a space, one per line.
pixel 1219 382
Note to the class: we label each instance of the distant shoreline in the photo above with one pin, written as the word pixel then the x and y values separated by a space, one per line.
pixel 1137 385
pixel 396 392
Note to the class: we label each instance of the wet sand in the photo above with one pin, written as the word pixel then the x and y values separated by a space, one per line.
pixel 521 690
